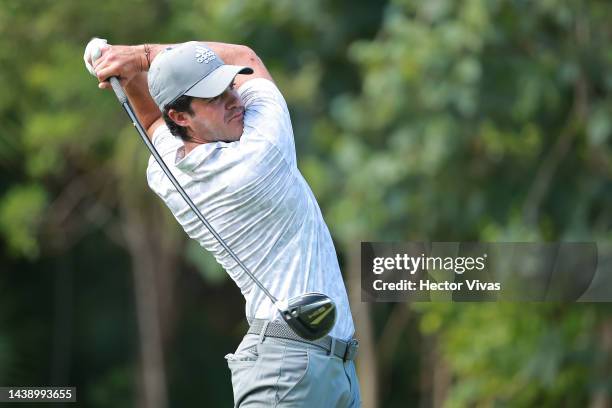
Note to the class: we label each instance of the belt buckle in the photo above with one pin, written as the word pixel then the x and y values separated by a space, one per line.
pixel 351 350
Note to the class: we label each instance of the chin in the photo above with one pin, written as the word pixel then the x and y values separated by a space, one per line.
pixel 238 133
pixel 232 138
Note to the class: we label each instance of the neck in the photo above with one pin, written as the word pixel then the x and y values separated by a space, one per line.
pixel 192 144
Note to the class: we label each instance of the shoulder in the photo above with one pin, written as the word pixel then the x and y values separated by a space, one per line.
pixel 162 138
pixel 167 145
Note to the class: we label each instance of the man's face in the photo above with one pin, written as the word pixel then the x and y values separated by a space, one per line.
pixel 215 119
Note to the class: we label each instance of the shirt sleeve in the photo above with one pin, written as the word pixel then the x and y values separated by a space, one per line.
pixel 267 117
pixel 166 143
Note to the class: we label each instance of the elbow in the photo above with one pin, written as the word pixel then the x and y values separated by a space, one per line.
pixel 250 58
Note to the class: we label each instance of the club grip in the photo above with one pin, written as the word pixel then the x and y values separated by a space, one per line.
pixel 118 89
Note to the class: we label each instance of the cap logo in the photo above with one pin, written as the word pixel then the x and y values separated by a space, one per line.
pixel 204 55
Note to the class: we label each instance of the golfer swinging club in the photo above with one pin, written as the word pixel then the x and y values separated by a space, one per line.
pixel 221 125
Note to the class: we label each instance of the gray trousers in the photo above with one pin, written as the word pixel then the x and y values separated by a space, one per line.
pixel 273 372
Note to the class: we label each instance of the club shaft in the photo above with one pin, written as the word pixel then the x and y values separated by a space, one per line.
pixel 143 135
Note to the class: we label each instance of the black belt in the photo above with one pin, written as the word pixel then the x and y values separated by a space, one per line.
pixel 346 350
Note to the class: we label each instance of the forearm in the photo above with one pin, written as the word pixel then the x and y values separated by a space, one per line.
pixel 232 54
pixel 146 110
pixel 129 63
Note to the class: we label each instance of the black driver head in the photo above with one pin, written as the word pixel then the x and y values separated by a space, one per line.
pixel 311 315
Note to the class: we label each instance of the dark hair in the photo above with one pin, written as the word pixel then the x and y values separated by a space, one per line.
pixel 181 104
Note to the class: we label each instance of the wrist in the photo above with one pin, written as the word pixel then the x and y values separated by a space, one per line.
pixel 147 55
pixel 143 53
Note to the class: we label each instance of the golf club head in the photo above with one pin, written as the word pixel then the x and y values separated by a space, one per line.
pixel 311 315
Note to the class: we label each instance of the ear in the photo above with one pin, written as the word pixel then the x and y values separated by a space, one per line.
pixel 180 118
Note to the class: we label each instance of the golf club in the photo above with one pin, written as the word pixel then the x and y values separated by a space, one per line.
pixel 311 315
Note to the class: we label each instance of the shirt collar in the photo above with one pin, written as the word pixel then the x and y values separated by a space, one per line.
pixel 190 161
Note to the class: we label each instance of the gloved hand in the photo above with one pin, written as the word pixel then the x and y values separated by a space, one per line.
pixel 121 61
pixel 93 51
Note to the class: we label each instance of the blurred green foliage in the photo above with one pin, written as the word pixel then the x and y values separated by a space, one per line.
pixel 428 121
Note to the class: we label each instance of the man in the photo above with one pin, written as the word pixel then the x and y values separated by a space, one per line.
pixel 216 117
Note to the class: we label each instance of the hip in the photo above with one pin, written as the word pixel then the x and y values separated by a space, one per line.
pixel 279 372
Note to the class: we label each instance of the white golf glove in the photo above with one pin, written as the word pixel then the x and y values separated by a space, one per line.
pixel 93 50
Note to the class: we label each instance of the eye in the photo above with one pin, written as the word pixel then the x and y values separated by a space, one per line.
pixel 232 85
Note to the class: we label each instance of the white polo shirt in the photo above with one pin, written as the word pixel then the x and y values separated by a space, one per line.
pixel 253 194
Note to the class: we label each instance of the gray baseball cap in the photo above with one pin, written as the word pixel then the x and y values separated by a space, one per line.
pixel 190 69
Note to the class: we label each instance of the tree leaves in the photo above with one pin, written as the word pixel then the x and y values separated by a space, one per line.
pixel 21 212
